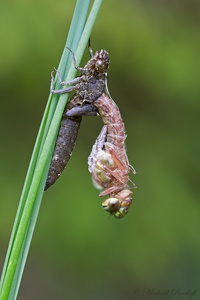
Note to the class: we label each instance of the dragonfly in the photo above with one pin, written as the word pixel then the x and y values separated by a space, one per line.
pixel 108 163
pixel 88 87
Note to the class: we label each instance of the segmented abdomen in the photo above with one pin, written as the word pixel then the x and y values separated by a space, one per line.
pixel 64 146
pixel 65 143
pixel 111 117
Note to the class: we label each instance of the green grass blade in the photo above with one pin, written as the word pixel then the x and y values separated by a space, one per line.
pixel 36 177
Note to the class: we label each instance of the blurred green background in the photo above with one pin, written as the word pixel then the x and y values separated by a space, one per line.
pixel 78 250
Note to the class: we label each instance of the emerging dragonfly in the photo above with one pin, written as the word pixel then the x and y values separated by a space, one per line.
pixel 108 162
pixel 88 87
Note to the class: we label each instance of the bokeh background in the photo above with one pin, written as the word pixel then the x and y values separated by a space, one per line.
pixel 78 250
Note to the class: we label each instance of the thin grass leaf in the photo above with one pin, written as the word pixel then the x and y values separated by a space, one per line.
pixel 37 173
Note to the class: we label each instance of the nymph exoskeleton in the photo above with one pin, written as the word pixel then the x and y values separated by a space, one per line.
pixel 66 140
pixel 88 87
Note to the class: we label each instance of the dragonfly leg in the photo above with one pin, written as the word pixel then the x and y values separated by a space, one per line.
pixel 117 176
pixel 74 61
pixel 112 189
pixel 90 48
pixel 65 90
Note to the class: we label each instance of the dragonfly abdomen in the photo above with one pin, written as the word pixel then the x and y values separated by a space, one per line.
pixel 63 149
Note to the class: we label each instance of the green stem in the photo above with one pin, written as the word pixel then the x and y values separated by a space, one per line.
pixel 32 193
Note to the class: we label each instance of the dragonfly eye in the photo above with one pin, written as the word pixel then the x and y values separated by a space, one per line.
pixel 100 66
pixel 102 61
pixel 111 205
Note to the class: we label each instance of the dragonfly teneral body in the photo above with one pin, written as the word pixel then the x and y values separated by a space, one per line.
pixel 108 162
pixel 88 87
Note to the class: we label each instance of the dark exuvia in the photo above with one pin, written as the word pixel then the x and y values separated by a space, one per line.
pixel 88 87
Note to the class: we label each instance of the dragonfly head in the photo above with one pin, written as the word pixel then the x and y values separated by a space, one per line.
pixel 118 206
pixel 101 61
